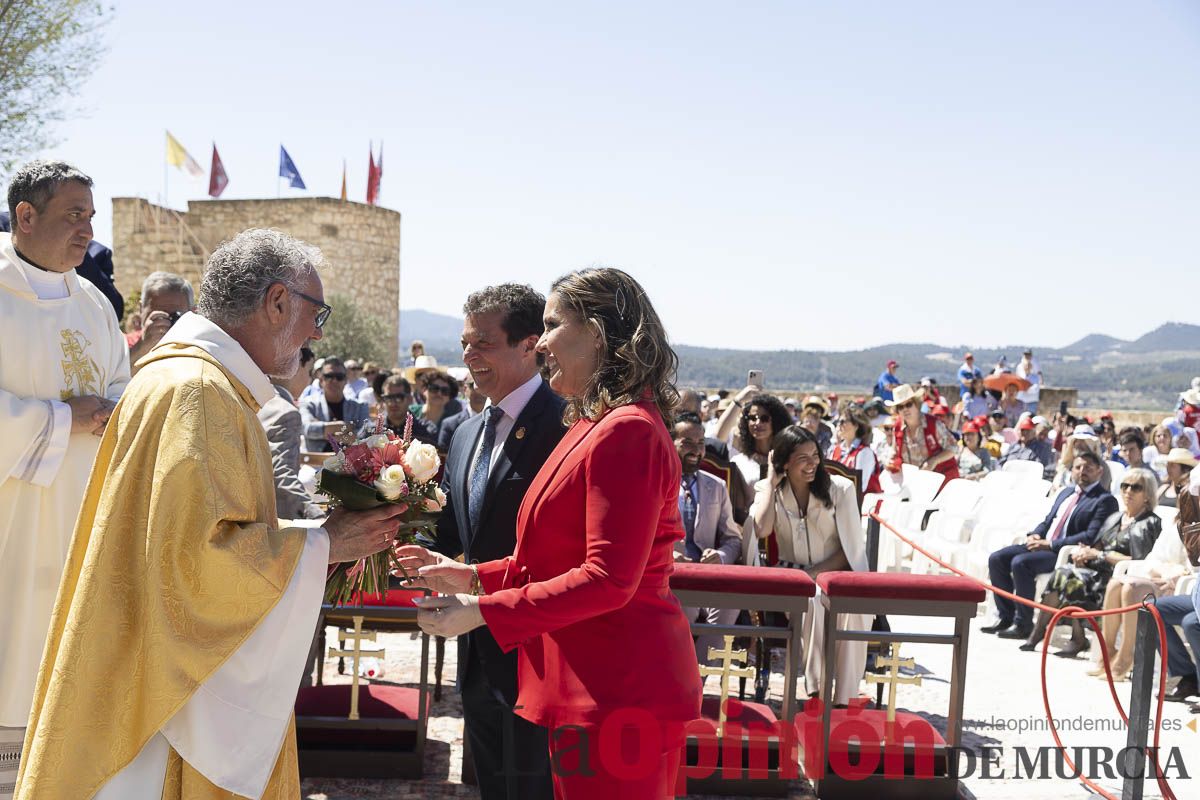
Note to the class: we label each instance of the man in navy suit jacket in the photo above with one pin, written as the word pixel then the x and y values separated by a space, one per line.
pixel 1075 518
pixel 500 331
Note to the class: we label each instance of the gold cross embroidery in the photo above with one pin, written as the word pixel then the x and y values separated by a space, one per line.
pixel 355 655
pixel 893 677
pixel 728 656
pixel 80 372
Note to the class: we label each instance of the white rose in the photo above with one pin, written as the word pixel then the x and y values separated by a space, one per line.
pixel 335 463
pixel 440 495
pixel 378 441
pixel 423 460
pixel 391 482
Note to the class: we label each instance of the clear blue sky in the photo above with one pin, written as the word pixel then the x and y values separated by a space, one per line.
pixel 771 172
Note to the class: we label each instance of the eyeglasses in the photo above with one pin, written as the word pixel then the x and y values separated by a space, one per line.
pixel 436 388
pixel 1131 487
pixel 334 376
pixel 758 417
pixel 395 398
pixel 323 314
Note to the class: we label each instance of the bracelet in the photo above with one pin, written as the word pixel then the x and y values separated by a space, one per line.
pixel 738 403
pixel 476 587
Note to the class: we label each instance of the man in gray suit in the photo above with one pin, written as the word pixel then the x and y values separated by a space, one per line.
pixel 710 534
pixel 281 420
pixel 331 413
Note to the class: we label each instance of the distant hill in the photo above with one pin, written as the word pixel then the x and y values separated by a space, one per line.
pixel 1095 343
pixel 1171 337
pixel 433 329
pixel 1148 372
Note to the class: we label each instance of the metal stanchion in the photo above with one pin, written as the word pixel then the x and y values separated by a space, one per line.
pixel 1141 706
pixel 872 544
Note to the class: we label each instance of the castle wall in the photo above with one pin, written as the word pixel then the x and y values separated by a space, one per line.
pixel 361 244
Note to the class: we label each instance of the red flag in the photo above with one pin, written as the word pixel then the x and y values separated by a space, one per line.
pixel 217 179
pixel 372 177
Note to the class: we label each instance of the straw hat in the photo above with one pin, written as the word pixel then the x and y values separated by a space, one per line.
pixel 422 365
pixel 819 402
pixel 1191 397
pixel 903 393
pixel 1182 456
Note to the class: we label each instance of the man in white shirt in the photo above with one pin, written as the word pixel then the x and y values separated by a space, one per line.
pixel 1028 369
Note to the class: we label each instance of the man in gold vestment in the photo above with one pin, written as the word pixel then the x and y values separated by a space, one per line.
pixel 186 609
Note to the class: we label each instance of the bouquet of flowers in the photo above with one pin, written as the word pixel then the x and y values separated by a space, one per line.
pixel 381 468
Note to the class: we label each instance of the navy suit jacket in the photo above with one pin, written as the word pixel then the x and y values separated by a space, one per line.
pixel 449 426
pixel 533 437
pixel 1089 515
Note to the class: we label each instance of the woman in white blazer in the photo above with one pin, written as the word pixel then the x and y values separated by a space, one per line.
pixel 817 527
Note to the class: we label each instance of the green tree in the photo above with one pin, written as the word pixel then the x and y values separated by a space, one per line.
pixel 353 333
pixel 47 50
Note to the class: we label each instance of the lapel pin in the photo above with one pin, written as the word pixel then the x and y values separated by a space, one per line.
pixel 520 433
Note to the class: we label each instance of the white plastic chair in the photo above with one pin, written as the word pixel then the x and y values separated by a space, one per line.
pixel 1033 469
pixel 958 507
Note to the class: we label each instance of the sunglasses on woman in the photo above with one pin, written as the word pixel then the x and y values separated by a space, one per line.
pixel 758 417
pixel 1131 487
pixel 438 389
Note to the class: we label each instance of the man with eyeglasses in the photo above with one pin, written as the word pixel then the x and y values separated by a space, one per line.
pixel 331 413
pixel 1075 518
pixel 476 400
pixel 197 603
pixel 1031 448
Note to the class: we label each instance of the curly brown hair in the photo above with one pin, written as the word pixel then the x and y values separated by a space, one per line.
pixel 635 358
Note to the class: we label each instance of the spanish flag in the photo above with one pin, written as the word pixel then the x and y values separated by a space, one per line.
pixel 178 157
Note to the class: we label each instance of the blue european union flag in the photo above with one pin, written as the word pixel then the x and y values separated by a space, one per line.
pixel 287 169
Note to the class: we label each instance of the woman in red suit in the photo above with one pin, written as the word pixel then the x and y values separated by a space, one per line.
pixel 585 597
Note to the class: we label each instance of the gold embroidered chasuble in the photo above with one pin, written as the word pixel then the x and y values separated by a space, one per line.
pixel 177 557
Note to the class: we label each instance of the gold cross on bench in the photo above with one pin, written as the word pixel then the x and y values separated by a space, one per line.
pixel 728 657
pixel 893 677
pixel 358 637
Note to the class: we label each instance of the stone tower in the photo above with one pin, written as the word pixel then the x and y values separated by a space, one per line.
pixel 361 244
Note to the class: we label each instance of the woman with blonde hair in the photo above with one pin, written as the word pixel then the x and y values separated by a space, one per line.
pixel 1122 537
pixel 1155 576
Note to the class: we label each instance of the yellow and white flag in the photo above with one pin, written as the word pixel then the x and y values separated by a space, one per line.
pixel 178 157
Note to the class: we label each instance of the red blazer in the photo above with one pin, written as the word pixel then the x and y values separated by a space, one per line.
pixel 585 597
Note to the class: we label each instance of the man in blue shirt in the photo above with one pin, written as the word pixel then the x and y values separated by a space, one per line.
pixel 887 381
pixel 967 373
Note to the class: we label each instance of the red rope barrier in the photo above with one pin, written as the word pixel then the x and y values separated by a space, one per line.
pixel 1076 613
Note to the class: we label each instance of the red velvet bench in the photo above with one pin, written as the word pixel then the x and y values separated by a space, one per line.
pixel 750 588
pixel 388 739
pixel 896 594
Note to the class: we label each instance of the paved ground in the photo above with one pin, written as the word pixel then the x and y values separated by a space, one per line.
pixel 1003 709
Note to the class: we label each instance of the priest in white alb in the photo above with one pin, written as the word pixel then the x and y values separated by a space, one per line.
pixel 187 608
pixel 63 364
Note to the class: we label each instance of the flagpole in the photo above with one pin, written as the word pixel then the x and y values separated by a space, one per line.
pixel 165 167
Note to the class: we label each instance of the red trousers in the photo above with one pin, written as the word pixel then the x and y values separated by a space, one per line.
pixel 587 767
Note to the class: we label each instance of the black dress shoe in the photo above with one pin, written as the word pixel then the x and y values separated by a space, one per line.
pixel 1028 646
pixel 1074 648
pixel 1183 690
pixel 1015 631
pixel 996 627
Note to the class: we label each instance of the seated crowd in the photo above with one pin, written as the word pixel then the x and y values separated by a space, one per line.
pixel 780 482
